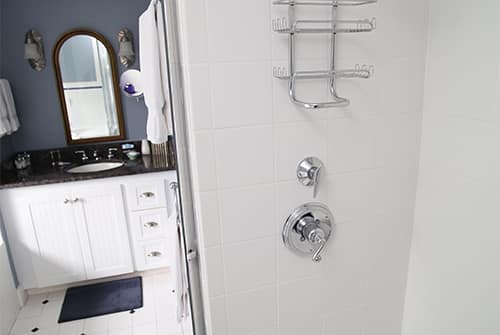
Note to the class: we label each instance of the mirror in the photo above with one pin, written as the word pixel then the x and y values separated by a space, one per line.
pixel 86 73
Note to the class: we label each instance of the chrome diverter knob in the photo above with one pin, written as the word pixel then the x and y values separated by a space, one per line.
pixel 308 229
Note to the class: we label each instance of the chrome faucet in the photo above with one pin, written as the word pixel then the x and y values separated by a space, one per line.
pixel 112 152
pixel 84 156
pixel 308 229
pixel 308 173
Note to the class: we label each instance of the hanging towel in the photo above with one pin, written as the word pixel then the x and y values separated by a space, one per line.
pixel 9 122
pixel 154 72
pixel 181 278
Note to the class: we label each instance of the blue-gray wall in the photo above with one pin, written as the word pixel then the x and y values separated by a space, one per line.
pixel 35 93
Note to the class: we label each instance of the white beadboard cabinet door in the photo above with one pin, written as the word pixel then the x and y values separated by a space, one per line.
pixel 59 259
pixel 101 220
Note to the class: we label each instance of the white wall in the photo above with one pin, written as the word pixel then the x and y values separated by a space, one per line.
pixel 247 139
pixel 454 278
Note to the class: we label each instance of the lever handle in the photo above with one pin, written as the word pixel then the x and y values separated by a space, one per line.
pixel 308 173
pixel 317 254
pixel 308 230
pixel 315 177
pixel 71 201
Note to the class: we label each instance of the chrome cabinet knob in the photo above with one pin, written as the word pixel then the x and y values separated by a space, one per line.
pixel 71 201
pixel 147 195
pixel 155 254
pixel 308 173
pixel 308 229
pixel 151 225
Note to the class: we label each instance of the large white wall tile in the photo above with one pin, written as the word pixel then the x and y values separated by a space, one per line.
pixel 204 160
pixel 239 30
pixel 195 29
pixel 209 206
pixel 215 271
pixel 380 191
pixel 300 301
pixel 397 139
pixel 218 316
pixel 244 156
pixel 457 148
pixel 351 145
pixel 200 100
pixel 252 311
pixel 347 321
pixel 247 213
pixel 250 265
pixel 241 94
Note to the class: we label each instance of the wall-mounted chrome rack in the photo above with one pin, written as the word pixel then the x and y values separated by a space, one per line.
pixel 292 26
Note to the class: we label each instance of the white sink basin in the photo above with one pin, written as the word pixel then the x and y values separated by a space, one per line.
pixel 95 167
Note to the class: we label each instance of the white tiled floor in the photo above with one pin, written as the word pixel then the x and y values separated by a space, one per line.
pixel 157 317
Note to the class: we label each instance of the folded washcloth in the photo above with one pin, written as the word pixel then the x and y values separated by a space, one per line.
pixel 9 122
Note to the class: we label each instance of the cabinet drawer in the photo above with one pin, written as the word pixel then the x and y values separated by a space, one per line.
pixel 150 224
pixel 146 194
pixel 152 255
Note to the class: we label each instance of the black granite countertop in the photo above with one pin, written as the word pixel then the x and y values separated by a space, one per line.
pixel 41 171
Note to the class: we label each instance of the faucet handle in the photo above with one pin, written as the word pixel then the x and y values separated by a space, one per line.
pixel 83 153
pixel 308 230
pixel 112 152
pixel 315 177
pixel 320 240
pixel 308 173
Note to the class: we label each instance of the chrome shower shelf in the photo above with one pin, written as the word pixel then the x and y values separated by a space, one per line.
pixel 282 73
pixel 323 26
pixel 324 2
pixel 292 26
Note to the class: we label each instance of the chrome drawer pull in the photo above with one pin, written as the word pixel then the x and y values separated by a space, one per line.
pixel 71 201
pixel 155 254
pixel 151 225
pixel 147 195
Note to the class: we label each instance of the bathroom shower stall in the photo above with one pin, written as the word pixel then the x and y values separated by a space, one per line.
pixel 397 102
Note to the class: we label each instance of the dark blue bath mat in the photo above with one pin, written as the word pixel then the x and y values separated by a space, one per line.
pixel 100 299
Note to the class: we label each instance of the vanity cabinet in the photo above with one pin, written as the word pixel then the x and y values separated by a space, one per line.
pixel 70 232
pixel 53 243
pixel 100 217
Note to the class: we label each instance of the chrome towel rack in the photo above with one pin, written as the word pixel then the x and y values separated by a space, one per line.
pixel 292 26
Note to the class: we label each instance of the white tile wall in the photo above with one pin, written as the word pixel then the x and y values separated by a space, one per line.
pixel 454 276
pixel 248 139
pixel 247 213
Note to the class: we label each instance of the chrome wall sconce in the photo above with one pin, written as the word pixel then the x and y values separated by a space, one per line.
pixel 33 50
pixel 126 52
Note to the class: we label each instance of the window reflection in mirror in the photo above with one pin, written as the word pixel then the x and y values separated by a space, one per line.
pixel 85 68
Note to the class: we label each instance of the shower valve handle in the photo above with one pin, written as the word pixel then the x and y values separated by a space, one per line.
pixel 308 173
pixel 315 177
pixel 317 254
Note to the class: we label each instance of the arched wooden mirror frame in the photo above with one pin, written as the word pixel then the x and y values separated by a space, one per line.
pixel 116 91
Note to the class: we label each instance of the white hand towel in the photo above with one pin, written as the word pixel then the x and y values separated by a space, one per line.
pixel 153 72
pixel 9 122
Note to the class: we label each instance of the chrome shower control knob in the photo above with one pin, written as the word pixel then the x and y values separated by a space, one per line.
pixel 308 173
pixel 308 229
